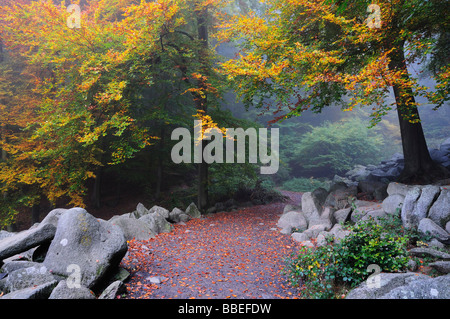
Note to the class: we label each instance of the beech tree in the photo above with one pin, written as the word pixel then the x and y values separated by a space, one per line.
pixel 94 78
pixel 309 54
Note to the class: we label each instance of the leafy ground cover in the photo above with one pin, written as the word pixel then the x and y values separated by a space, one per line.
pixel 237 254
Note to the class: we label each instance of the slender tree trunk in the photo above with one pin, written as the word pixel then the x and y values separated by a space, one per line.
pixel 419 167
pixel 96 192
pixel 12 227
pixel 1 51
pixel 35 212
pixel 201 104
pixel 160 168
pixel 202 196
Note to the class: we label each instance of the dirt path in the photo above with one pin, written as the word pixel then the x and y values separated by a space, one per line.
pixel 226 255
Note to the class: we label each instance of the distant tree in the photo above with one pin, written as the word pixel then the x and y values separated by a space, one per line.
pixel 334 148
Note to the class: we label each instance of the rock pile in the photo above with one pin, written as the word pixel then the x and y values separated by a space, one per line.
pixel 322 213
pixel 403 286
pixel 389 170
pixel 77 249
pixel 423 208
pixel 73 255
pixel 143 223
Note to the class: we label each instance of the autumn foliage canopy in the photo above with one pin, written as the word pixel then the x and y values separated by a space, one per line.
pixel 72 99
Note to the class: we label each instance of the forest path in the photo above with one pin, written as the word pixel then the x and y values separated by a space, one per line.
pixel 236 254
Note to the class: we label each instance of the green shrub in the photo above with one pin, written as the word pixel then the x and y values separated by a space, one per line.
pixel 226 180
pixel 370 243
pixel 323 271
pixel 315 270
pixel 334 148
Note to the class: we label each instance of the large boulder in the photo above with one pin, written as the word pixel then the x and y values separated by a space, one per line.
pixel 358 173
pixel 140 211
pixel 398 189
pixel 374 189
pixel 335 185
pixel 133 228
pixel 35 292
pixel 290 207
pixel 403 286
pixel 4 234
pixel 161 210
pixel 26 239
pixel 292 220
pixel 383 283
pixel 150 221
pixel 429 252
pixel 427 288
pixel 409 206
pixel 428 226
pixel 377 215
pixel 362 208
pixel 312 204
pixel 320 194
pixel 63 291
pixel 26 277
pixel 342 215
pixel 177 215
pixel 341 197
pixel 193 211
pixel 12 265
pixel 392 203
pixel 427 198
pixel 85 246
pixel 440 211
pixel 53 216
pixel 439 156
pixel 445 146
pixel 326 219
pixel 113 290
pixel 441 266
pixel 157 222
pixel 300 237
pixel 387 173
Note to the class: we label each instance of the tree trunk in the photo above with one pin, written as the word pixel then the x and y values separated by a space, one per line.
pixel 1 51
pixel 160 169
pixel 201 104
pixel 96 192
pixel 35 212
pixel 11 227
pixel 419 167
pixel 202 194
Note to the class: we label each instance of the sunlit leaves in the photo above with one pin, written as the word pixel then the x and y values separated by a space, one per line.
pixel 83 89
pixel 86 102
